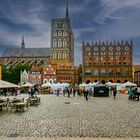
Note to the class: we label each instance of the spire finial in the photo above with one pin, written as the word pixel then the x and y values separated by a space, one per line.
pixel 67 11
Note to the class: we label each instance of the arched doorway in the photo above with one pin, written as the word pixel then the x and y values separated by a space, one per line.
pixel 95 81
pixel 103 81
pixel 118 81
pixel 111 81
pixel 88 81
pixel 125 81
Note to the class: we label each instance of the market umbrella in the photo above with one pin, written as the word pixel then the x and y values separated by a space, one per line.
pixel 27 84
pixel 5 84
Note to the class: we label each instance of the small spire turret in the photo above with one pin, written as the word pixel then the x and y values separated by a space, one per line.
pixel 67 11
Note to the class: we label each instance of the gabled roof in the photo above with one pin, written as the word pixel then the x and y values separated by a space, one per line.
pixel 27 52
pixel 36 68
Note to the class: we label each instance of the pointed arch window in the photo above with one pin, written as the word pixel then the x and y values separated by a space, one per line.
pixel 65 33
pixel 59 43
pixel 54 43
pixel 64 55
pixel 59 33
pixel 59 55
pixel 64 43
pixel 54 55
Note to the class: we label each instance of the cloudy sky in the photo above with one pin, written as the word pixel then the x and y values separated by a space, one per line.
pixel 92 20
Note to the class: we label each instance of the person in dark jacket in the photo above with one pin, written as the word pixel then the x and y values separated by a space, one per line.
pixel 114 92
pixel 86 94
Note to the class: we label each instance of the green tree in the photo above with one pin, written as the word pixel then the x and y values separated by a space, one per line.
pixel 6 74
pixel 13 74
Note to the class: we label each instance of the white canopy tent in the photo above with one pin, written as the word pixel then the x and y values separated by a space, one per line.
pixel 129 84
pixel 54 87
pixel 27 84
pixel 65 85
pixel 94 83
pixel 84 85
pixel 5 84
pixel 109 84
pixel 47 85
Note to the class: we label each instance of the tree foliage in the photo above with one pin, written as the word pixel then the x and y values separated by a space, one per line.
pixel 13 74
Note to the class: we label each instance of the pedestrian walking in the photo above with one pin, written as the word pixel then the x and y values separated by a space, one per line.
pixel 58 92
pixel 86 94
pixel 64 91
pixel 74 90
pixel 68 90
pixel 78 91
pixel 114 92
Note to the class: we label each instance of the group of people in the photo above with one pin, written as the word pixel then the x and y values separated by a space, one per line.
pixel 32 91
pixel 76 90
pixel 133 94
pixel 10 92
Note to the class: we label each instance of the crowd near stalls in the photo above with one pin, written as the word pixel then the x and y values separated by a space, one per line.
pixel 93 89
pixel 53 88
pixel 120 88
pixel 7 88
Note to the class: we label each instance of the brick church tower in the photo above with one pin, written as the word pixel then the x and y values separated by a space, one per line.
pixel 62 40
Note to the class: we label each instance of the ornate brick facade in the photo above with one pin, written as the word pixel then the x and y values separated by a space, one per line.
pixel 107 61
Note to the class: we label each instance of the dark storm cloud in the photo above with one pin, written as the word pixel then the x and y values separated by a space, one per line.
pixel 91 20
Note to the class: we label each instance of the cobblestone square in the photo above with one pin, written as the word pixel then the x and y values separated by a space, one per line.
pixel 99 117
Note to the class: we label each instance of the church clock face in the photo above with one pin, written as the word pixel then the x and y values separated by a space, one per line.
pixel 126 48
pixel 118 48
pixel 95 48
pixel 103 48
pixel 110 48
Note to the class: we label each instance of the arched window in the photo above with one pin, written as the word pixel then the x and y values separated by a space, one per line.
pixel 59 55
pixel 59 33
pixel 59 43
pixel 64 43
pixel 65 33
pixel 54 43
pixel 67 55
pixel 118 72
pixel 96 72
pixel 110 72
pixel 54 55
pixel 126 72
pixel 103 72
pixel 64 55
pixel 87 72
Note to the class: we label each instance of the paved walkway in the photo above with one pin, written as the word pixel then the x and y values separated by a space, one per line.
pixel 58 118
pixel 65 138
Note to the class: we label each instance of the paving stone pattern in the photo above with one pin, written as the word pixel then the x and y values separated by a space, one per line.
pixel 99 117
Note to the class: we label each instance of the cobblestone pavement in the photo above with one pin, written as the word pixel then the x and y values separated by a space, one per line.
pixel 99 118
